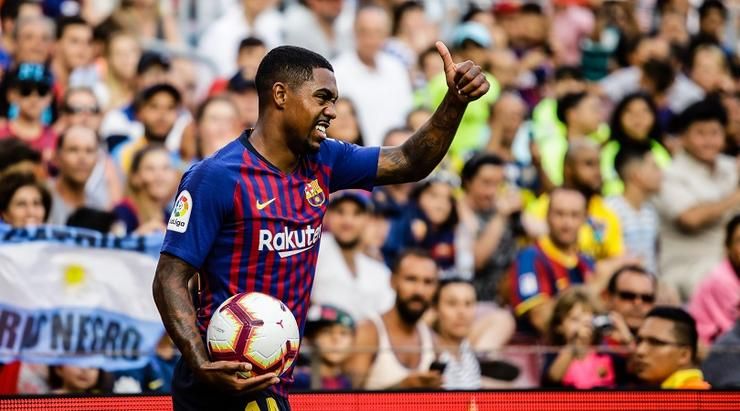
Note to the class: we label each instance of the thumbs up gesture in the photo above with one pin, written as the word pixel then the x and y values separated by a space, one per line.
pixel 464 80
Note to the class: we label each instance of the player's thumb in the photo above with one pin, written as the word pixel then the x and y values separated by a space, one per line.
pixel 444 52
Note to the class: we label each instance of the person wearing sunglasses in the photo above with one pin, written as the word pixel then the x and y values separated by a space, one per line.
pixel 630 295
pixel 666 350
pixel 29 95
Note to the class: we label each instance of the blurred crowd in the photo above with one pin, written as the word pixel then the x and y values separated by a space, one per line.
pixel 581 232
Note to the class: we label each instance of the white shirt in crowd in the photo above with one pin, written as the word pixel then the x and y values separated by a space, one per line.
pixel 682 93
pixel 382 95
pixel 220 42
pixel 366 292
pixel 639 230
pixel 301 29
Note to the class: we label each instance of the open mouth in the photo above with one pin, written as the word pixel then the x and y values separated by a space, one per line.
pixel 320 128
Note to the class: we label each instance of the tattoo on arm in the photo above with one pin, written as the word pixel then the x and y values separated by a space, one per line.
pixel 418 156
pixel 173 300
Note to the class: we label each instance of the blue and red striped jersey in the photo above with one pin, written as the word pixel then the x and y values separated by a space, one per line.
pixel 247 226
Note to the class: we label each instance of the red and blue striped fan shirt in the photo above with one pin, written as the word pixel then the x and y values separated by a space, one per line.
pixel 247 226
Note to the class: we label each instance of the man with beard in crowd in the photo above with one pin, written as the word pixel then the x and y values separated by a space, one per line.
pixel 395 350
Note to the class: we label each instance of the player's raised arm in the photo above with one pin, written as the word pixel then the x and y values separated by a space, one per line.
pixel 173 300
pixel 418 156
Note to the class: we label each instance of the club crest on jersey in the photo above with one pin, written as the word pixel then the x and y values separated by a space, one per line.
pixel 181 213
pixel 314 194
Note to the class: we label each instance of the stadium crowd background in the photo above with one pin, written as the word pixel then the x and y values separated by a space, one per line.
pixel 587 204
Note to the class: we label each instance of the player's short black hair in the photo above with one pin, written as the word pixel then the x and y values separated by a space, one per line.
pixel 250 42
pixel 627 155
pixel 611 287
pixel 684 326
pixel 730 229
pixel 12 182
pixel 291 65
pixel 14 151
pixel 475 163
pixel 709 5
pixel 709 109
pixel 65 22
pixel 568 102
pixel 408 252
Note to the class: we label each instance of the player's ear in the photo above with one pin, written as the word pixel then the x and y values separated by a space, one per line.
pixel 279 94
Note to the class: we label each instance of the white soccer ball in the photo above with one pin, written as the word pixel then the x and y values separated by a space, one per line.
pixel 254 328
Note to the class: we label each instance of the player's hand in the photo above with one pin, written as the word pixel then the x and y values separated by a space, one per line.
pixel 422 379
pixel 224 375
pixel 464 80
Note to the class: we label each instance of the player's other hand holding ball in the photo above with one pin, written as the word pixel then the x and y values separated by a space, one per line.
pixel 465 80
pixel 226 376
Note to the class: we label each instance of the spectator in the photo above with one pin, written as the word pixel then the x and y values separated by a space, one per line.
pixel 79 107
pixel 396 349
pixel 330 332
pixel 712 19
pixel 220 41
pixel 24 201
pixel 497 220
pixel 509 140
pixel 716 301
pixel 244 94
pixel 698 195
pixel 577 364
pixel 345 277
pixel 571 24
pixel 148 19
pixel 17 156
pixel 630 295
pixel 217 123
pixel 721 367
pixel 318 25
pixel 431 222
pixel 368 75
pixel 11 12
pixel 151 185
pixel 634 122
pixel 76 152
pixel 542 271
pixel 666 350
pixel 346 126
pixel 70 379
pixel 470 41
pixel 637 168
pixel 72 51
pixel 601 235
pixel 412 34
pixel 709 69
pixel 34 39
pixel 29 95
pixel 156 107
pixel 417 118
pixel 156 375
pixel 122 54
pixel 251 52
pixel 454 305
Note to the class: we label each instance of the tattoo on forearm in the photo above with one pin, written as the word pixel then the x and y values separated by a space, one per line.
pixel 176 308
pixel 416 158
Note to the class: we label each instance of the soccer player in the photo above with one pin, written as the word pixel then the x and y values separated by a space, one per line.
pixel 249 217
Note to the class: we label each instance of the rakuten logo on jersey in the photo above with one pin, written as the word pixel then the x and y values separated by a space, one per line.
pixel 289 242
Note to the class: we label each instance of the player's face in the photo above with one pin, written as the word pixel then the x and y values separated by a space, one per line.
pixel 312 108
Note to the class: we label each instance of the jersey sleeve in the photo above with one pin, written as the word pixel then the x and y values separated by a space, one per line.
pixel 527 289
pixel 203 201
pixel 352 166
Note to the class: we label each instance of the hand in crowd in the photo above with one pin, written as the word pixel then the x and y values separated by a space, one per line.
pixel 422 379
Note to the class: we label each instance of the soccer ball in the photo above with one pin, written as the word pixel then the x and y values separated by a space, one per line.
pixel 254 328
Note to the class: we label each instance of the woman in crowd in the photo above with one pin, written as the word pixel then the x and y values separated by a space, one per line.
pixel 151 185
pixel 122 53
pixel 217 123
pixel 634 122
pixel 346 126
pixel 29 95
pixel 24 200
pixel 68 379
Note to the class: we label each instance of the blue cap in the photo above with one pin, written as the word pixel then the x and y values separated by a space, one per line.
pixel 358 196
pixel 472 31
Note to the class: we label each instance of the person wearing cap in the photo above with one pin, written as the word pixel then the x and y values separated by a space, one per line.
pixel 345 277
pixel 29 96
pixel 156 108
pixel 374 80
pixel 470 41
pixel 330 332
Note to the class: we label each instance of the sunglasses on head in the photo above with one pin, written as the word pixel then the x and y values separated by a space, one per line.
pixel 630 296
pixel 27 88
